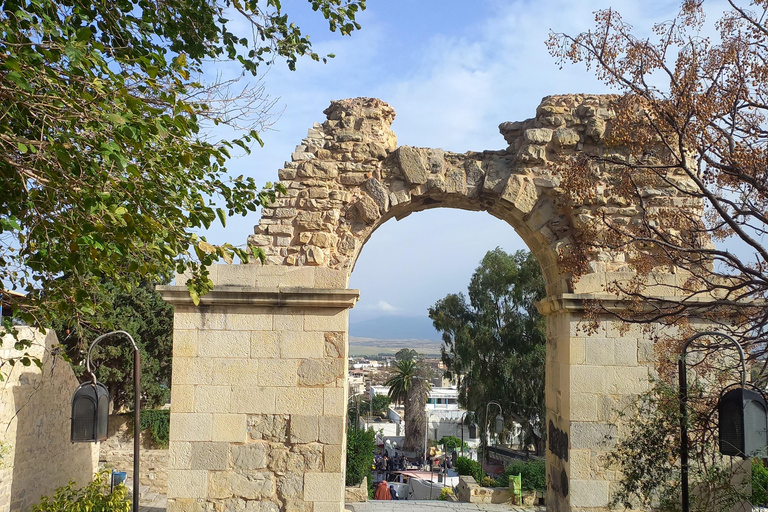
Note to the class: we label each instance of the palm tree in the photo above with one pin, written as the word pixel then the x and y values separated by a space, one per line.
pixel 410 387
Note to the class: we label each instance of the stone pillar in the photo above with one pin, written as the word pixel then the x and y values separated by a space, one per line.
pixel 258 402
pixel 588 376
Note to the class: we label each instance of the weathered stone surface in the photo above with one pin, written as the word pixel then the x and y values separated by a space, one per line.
pixel 313 372
pixel 253 486
pixel 378 192
pixel 368 209
pixel 250 455
pixel 269 427
pixel 411 162
pixel 538 135
pixel 334 344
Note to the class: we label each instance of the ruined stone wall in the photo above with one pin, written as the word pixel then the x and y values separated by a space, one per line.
pixel 35 408
pixel 251 427
pixel 348 177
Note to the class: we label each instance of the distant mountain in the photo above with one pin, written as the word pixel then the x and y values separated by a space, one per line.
pixel 393 327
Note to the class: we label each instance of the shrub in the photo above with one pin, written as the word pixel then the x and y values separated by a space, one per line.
pixel 451 443
pixel 759 483
pixel 360 448
pixel 94 497
pixel 157 421
pixel 445 493
pixel 533 474
pixel 467 466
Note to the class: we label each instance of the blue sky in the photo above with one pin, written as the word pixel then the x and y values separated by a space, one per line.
pixel 453 70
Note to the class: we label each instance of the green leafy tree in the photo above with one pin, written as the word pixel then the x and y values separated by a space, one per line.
pixel 361 444
pixel 106 161
pixel 494 345
pixel 409 385
pixel 405 354
pixel 144 315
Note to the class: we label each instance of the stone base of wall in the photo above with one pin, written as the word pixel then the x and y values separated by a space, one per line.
pixel 357 493
pixel 468 491
pixel 153 467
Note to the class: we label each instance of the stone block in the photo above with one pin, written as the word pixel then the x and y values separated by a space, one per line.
pixel 182 371
pixel 229 427
pixel 592 435
pixel 278 372
pixel 210 456
pixel 253 400
pixel 325 319
pixel 183 398
pixel 236 372
pixel 334 458
pixel 268 427
pixel 290 485
pixel 184 343
pixel 190 426
pixel 219 484
pixel 331 429
pixel 335 344
pixel 600 351
pixel 412 164
pixel 334 401
pixel 328 506
pixel 625 351
pixel 250 319
pixel 589 493
pixel 301 344
pixel 187 483
pixel 179 455
pixel 212 398
pixel 625 380
pixel 288 319
pixel 584 406
pixel 303 429
pixel 331 278
pixel 224 344
pixel 324 487
pixel 588 379
pixel 265 344
pixel 308 401
pixel 250 456
pixel 314 372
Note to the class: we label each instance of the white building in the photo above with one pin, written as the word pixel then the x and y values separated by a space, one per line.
pixel 443 414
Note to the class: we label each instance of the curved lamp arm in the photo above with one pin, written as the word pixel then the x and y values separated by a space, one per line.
pixel 136 402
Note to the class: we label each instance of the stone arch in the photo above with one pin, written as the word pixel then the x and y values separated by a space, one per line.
pixel 259 390
pixel 348 177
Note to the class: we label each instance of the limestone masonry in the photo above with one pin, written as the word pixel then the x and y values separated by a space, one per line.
pixel 259 368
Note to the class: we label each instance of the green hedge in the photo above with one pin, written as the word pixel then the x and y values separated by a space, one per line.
pixel 467 466
pixel 157 421
pixel 533 474
pixel 360 448
pixel 759 483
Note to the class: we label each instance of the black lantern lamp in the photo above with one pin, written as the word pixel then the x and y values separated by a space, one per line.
pixel 90 413
pixel 90 409
pixel 743 423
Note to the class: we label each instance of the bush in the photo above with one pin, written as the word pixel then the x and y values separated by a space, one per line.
pixel 94 497
pixel 467 466
pixel 157 421
pixel 451 443
pixel 360 448
pixel 533 474
pixel 445 493
pixel 759 483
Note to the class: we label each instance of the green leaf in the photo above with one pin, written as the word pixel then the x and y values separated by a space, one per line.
pixel 22 148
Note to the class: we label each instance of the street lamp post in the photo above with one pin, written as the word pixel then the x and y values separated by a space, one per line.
pixel 461 426
pixel 487 425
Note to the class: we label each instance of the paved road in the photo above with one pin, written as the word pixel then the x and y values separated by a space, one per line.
pixel 435 506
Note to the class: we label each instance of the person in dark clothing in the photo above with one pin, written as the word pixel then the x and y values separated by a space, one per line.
pixel 393 492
